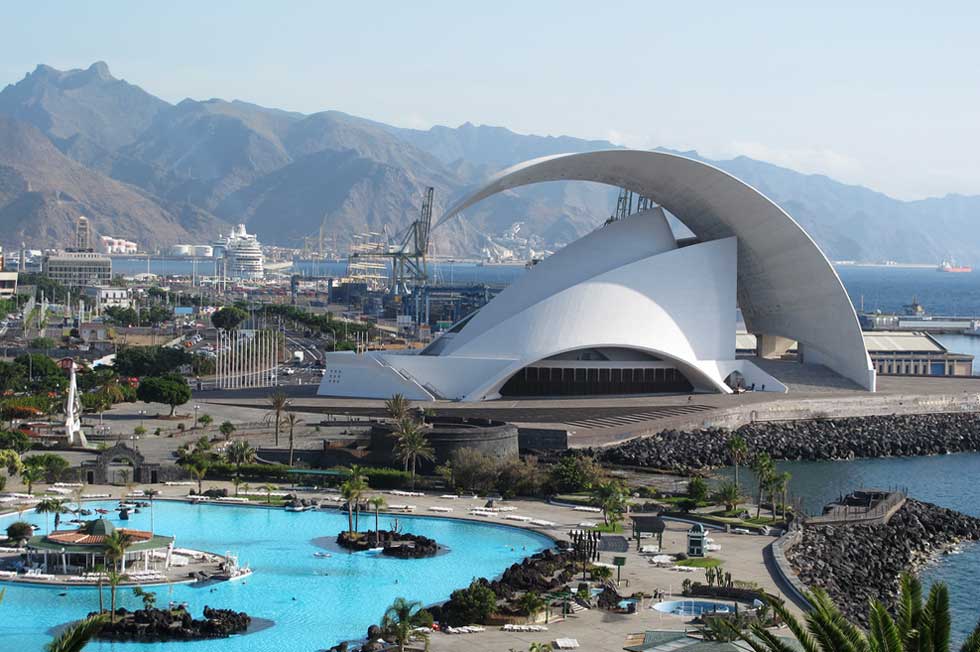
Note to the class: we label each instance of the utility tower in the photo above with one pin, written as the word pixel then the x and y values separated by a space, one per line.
pixel 624 205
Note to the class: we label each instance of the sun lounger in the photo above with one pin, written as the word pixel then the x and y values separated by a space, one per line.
pixel 516 517
pixel 566 643
pixel 584 508
pixel 541 523
pixel 450 496
pixel 402 508
pixel 440 509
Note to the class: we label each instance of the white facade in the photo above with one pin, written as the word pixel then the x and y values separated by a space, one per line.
pixel 626 298
pixel 242 253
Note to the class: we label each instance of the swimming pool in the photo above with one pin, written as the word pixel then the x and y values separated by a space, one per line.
pixel 314 602
pixel 692 607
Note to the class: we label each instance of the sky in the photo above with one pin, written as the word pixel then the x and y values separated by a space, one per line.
pixel 885 94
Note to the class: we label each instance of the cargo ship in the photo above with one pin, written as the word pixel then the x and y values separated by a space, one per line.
pixel 947 266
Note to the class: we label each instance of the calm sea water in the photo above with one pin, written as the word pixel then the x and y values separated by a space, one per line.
pixel 946 480
pixel 315 603
pixel 888 289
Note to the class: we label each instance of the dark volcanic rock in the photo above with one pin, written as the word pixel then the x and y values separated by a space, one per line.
pixel 148 625
pixel 826 439
pixel 855 563
pixel 395 544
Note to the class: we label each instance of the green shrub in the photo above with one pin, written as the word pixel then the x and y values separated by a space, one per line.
pixel 250 472
pixel 20 531
pixel 573 473
pixel 15 440
pixel 474 604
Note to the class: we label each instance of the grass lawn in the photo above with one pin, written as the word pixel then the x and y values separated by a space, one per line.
pixel 700 562
pixel 612 528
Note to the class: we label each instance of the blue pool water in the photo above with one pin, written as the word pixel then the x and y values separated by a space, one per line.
pixel 315 603
pixel 692 607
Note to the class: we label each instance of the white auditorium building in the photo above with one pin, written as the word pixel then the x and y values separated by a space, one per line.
pixel 629 309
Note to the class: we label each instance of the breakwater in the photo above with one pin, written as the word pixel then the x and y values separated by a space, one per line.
pixel 856 563
pixel 821 439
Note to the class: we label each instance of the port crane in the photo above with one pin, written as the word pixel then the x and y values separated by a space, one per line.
pixel 408 254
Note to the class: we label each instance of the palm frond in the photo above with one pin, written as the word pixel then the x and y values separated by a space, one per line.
pixel 972 642
pixel 75 637
pixel 885 634
pixel 940 624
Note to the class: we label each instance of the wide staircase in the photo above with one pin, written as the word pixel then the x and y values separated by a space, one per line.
pixel 810 378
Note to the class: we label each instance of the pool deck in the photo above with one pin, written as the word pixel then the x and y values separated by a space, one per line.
pixel 742 555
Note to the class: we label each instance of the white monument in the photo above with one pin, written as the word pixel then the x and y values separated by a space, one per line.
pixel 73 411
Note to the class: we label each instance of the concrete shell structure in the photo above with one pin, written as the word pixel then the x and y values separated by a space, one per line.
pixel 627 297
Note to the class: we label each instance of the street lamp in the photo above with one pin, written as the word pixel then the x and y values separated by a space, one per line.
pixel 196 408
pixel 142 414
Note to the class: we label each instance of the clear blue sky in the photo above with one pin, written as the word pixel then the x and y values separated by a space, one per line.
pixel 886 95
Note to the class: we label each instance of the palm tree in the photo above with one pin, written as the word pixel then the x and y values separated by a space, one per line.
pixel 198 469
pixel 277 405
pixel 738 453
pixel 398 408
pixel 239 452
pixel 763 467
pixel 292 421
pixel 611 498
pixel 377 502
pixel 30 475
pixel 54 506
pixel 116 543
pixel 268 489
pixel 531 603
pixel 412 445
pixel 728 494
pixel 401 619
pixel 783 488
pixel 352 489
pixel 600 573
pixel 75 637
pixel 916 627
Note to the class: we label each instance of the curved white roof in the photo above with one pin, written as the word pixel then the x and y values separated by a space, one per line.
pixel 785 287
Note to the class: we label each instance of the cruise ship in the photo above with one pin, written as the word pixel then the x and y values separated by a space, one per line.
pixel 242 253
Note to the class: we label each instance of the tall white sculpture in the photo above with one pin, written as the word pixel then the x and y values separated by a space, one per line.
pixel 73 411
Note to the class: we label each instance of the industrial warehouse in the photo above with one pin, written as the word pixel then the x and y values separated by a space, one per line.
pixel 634 307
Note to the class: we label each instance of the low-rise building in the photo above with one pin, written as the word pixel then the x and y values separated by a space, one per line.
pixel 905 353
pixel 77 269
pixel 109 297
pixel 8 285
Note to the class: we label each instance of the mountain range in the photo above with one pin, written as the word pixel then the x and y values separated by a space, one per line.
pixel 81 142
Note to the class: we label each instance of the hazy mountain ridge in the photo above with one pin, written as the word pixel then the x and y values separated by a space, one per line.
pixel 159 173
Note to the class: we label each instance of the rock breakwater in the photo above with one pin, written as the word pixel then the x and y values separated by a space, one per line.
pixel 855 563
pixel 824 439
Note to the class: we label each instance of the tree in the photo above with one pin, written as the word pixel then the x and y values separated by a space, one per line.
pixel 228 318
pixel 10 460
pixel 20 531
pixel 277 405
pixel 600 573
pixel 116 543
pixel 474 604
pixel 41 343
pixel 763 467
pixel 611 498
pixel 401 620
pixel 51 465
pixel 142 361
pixel 171 390
pixel 238 453
pixel 738 453
pixel 377 502
pixel 268 489
pixel 31 475
pixel 729 495
pixel 411 444
pixel 351 490
pixel 14 440
pixel 149 597
pixel 227 428
pixel 531 603
pixel 398 408
pixel 198 468
pixel 574 472
pixel 916 627
pixel 75 637
pixel 49 506
pixel 697 489
pixel 292 421
pixel 205 420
